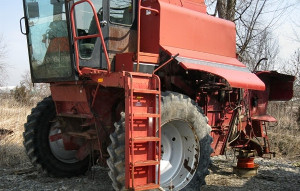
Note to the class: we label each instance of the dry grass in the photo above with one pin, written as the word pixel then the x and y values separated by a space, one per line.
pixel 284 138
pixel 13 117
pixel 285 135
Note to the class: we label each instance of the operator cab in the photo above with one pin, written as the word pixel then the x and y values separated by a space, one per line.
pixel 51 43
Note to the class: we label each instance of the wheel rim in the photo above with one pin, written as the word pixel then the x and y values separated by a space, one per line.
pixel 180 154
pixel 57 147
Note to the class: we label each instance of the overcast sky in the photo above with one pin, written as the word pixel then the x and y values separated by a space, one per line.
pixel 285 30
pixel 12 10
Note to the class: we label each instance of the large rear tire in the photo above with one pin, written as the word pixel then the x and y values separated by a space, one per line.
pixel 185 146
pixel 49 156
pixel 116 150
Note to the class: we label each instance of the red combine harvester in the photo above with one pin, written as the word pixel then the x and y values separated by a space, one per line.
pixel 167 67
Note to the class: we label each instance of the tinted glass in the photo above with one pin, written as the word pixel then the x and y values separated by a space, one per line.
pixel 86 25
pixel 48 39
pixel 121 12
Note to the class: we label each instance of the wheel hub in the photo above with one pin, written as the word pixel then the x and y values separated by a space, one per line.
pixel 58 149
pixel 180 154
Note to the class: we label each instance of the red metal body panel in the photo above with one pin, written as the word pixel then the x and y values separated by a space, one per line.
pixel 197 37
pixel 268 118
pixel 124 62
pixel 219 120
pixel 71 100
pixel 74 100
pixel 192 30
pixel 236 79
pixel 204 56
pixel 149 30
pixel 196 5
pixel 68 92
pixel 279 87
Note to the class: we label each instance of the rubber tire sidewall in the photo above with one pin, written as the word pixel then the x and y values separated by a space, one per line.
pixel 175 106
pixel 36 142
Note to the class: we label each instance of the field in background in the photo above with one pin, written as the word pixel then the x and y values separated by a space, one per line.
pixel 284 137
pixel 13 116
pixel 285 134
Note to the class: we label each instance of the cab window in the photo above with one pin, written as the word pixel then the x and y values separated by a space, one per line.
pixel 86 25
pixel 121 12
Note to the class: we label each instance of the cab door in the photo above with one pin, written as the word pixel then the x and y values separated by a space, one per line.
pixel 90 50
pixel 122 27
pixel 116 18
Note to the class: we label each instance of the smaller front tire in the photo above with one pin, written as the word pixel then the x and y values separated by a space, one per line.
pixel 49 156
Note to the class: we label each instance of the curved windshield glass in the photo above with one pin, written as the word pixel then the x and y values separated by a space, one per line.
pixel 48 39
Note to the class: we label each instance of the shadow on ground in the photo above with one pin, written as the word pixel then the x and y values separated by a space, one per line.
pixel 269 177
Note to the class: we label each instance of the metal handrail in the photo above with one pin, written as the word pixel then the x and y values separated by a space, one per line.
pixel 76 38
pixel 158 124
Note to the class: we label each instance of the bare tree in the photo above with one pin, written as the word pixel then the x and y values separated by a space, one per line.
pixel 254 36
pixel 3 64
pixel 292 67
pixel 263 51
pixel 39 90
pixel 225 9
pixel 296 29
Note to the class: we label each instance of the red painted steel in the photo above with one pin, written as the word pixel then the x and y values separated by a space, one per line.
pixel 162 65
pixel 55 137
pixel 76 38
pixel 124 62
pixel 220 117
pixel 266 117
pixel 203 41
pixel 229 68
pixel 195 5
pixel 236 79
pixel 149 28
pixel 183 30
pixel 280 85
pixel 140 7
pixel 245 162
pixel 195 31
pixel 142 110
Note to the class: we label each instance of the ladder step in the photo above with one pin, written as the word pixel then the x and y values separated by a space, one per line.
pixel 144 115
pixel 145 91
pixel 145 139
pixel 139 74
pixel 147 186
pixel 148 57
pixel 146 163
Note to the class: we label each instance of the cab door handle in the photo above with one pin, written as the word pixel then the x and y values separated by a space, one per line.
pixel 26 26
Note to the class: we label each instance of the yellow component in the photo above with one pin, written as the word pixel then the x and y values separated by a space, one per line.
pixel 100 80
pixel 139 97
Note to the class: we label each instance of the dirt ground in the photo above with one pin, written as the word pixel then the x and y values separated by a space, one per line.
pixel 274 174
